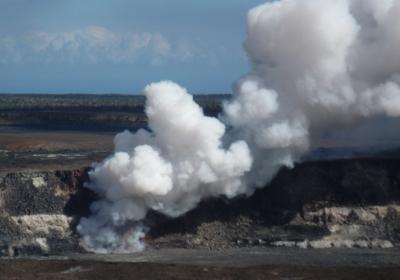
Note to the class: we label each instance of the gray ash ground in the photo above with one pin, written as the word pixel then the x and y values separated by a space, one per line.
pixel 41 149
pixel 252 263
pixel 347 205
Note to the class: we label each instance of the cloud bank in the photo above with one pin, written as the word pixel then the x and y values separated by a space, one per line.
pixel 316 65
pixel 90 45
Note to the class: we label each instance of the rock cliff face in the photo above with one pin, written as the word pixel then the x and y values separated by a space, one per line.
pixel 40 209
pixel 339 203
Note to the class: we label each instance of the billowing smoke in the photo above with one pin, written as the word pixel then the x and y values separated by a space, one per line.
pixel 316 64
pixel 168 170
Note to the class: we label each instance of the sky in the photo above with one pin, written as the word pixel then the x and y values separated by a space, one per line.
pixel 120 46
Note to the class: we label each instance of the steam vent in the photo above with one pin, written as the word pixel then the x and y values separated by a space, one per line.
pixel 336 197
pixel 155 139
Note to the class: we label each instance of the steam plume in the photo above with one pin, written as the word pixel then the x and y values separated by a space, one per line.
pixel 169 170
pixel 316 64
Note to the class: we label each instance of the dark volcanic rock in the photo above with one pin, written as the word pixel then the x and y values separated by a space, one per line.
pixel 39 210
pixel 340 203
pixel 338 200
pixel 46 192
pixel 85 112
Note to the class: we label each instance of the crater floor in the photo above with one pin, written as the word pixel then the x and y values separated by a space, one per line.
pixel 272 263
pixel 347 202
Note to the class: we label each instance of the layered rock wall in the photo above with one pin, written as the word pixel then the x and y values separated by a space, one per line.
pixel 38 210
pixel 340 203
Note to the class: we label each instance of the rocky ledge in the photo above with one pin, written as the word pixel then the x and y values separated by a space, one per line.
pixel 317 204
pixel 39 211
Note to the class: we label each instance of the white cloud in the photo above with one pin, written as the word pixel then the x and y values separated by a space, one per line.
pixel 89 45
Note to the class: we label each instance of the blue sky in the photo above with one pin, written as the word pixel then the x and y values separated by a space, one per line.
pixel 119 46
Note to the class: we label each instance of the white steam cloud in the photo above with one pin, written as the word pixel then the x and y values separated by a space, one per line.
pixel 169 170
pixel 316 64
